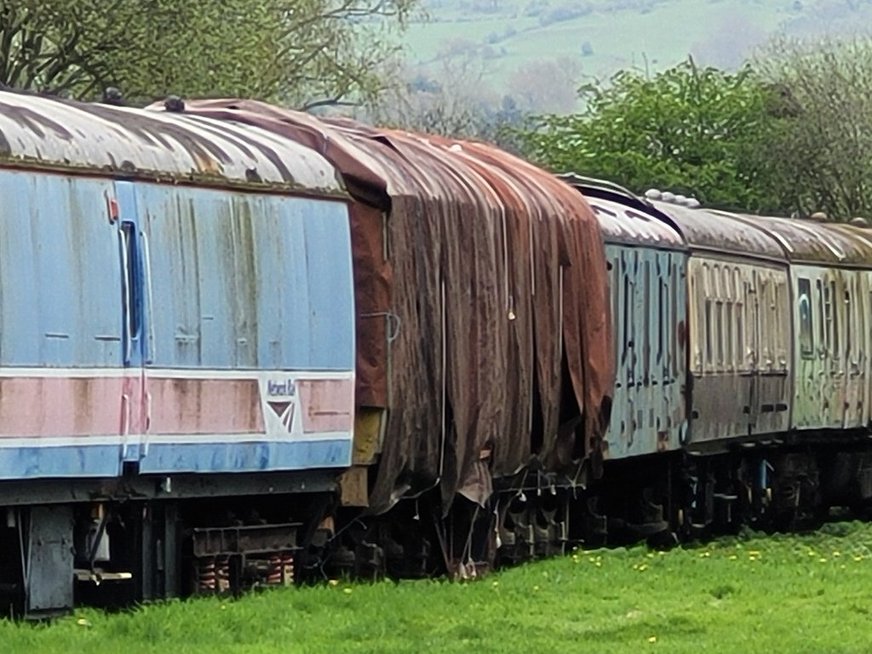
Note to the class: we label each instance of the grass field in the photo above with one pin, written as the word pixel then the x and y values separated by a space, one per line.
pixel 620 38
pixel 508 43
pixel 808 593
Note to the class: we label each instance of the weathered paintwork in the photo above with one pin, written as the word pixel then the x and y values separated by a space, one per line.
pixel 41 132
pixel 740 334
pixel 649 312
pixel 740 326
pixel 830 283
pixel 175 327
pixel 647 263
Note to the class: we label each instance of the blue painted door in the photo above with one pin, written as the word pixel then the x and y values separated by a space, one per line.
pixel 133 250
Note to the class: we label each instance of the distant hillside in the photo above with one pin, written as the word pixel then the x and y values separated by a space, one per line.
pixel 513 46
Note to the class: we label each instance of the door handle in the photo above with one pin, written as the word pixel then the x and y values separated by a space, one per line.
pixel 125 414
pixel 144 448
pixel 146 250
pixel 125 423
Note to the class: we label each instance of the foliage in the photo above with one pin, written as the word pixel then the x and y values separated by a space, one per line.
pixel 464 108
pixel 691 130
pixel 820 155
pixel 751 594
pixel 298 51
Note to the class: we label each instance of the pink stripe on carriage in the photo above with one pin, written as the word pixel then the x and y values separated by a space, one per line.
pixel 63 406
pixel 205 406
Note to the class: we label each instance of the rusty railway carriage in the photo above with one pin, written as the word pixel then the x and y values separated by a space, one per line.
pixel 240 346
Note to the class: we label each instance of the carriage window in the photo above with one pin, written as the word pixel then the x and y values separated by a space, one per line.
pixel 677 348
pixel 719 316
pixel 806 336
pixel 647 308
pixel 615 270
pixel 827 318
pixel 822 334
pixel 834 323
pixel 740 319
pixel 708 331
pixel 661 320
pixel 628 300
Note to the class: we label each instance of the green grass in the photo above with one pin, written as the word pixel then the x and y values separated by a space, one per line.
pixel 758 594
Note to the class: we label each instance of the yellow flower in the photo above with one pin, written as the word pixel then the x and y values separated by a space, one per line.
pixel 652 639
pixel 347 591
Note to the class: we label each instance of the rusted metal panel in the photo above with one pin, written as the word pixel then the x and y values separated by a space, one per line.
pixel 493 275
pixel 98 139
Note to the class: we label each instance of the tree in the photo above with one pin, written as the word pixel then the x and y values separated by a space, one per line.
pixel 547 85
pixel 459 106
pixel 297 51
pixel 819 157
pixel 692 130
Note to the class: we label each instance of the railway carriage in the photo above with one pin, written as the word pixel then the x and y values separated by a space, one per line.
pixel 829 278
pixel 176 350
pixel 647 263
pixel 740 327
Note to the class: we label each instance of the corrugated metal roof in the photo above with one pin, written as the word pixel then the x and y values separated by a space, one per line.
pixel 44 132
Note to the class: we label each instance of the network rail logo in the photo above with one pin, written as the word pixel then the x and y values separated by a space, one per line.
pixel 281 399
